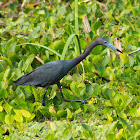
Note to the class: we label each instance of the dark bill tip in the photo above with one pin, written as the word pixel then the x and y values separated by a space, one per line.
pixel 119 51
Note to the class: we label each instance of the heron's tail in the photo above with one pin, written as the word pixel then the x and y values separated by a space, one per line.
pixel 21 80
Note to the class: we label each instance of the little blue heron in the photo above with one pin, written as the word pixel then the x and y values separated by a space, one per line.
pixel 52 72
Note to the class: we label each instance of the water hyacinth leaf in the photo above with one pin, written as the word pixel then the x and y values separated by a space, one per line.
pixel 12 48
pixel 61 12
pixel 60 113
pixel 65 50
pixel 18 118
pixel 119 134
pixel 52 110
pixel 97 51
pixel 78 111
pixel 8 108
pixel 124 58
pixel 69 114
pixel 33 35
pixel 106 60
pixel 12 6
pixel 53 126
pixel 87 128
pixel 3 93
pixel 111 128
pixel 30 59
pixel 8 43
pixel 77 78
pixel 133 111
pixel 42 47
pixel 126 79
pixel 25 113
pixel 102 71
pixel 96 25
pixel 138 112
pixel 57 45
pixel 108 93
pixel 5 76
pixel 2 130
pixel 125 123
pixel 90 107
pixel 9 119
pixel 1 108
pixel 89 90
pixel 35 93
pixel 109 118
pixel 131 61
pixel 137 67
pixel 52 21
pixel 73 86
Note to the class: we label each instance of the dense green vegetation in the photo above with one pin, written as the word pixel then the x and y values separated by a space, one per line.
pixel 46 32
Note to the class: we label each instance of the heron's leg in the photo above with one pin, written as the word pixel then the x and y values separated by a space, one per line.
pixel 68 100
pixel 43 100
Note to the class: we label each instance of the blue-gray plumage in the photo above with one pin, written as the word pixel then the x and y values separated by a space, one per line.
pixel 52 72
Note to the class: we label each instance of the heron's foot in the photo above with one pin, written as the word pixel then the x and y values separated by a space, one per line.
pixel 81 101
pixel 43 102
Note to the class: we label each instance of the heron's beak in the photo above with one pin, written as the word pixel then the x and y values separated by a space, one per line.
pixel 112 47
pixel 119 51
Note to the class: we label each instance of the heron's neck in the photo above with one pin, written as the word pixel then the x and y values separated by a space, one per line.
pixel 86 52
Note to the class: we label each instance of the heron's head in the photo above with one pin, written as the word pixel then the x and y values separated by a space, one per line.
pixel 104 42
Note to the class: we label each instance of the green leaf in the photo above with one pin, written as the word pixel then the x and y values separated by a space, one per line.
pixel 25 113
pixel 53 126
pixel 12 48
pixel 61 12
pixel 57 45
pixel 35 93
pixel 78 49
pixel 1 108
pixel 124 58
pixel 7 108
pixel 41 12
pixel 137 135
pixel 12 6
pixel 53 21
pixel 33 35
pixel 106 60
pixel 29 60
pixel 133 111
pixel 108 93
pixel 90 107
pixel 3 93
pixel 42 47
pixel 131 61
pixel 60 113
pixel 78 111
pixel 2 130
pixel 111 128
pixel 137 67
pixel 96 25
pixel 124 122
pixel 52 110
pixel 9 119
pixel 97 51
pixel 18 116
pixel 126 79
pixel 88 128
pixel 69 114
pixel 102 71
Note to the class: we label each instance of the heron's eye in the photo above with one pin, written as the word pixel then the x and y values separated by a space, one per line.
pixel 105 42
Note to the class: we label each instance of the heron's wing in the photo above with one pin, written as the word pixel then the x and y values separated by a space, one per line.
pixel 44 75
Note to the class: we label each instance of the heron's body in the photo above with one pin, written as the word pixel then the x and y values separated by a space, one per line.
pixel 42 76
pixel 52 72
